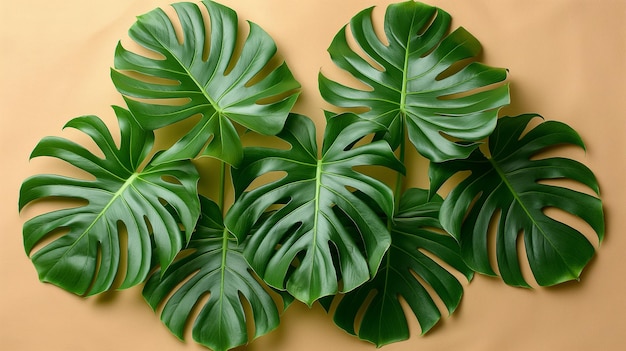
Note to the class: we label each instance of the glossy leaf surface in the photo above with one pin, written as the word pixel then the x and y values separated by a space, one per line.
pixel 423 80
pixel 203 75
pixel 213 267
pixel 510 188
pixel 413 234
pixel 294 246
pixel 85 259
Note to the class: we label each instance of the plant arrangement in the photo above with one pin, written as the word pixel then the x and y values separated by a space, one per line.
pixel 308 222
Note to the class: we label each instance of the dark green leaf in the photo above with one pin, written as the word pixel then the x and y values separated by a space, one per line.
pixel 424 80
pixel 508 187
pixel 413 233
pixel 218 85
pixel 293 247
pixel 214 267
pixel 85 259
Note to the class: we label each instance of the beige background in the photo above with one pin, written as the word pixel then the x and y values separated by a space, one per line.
pixel 567 60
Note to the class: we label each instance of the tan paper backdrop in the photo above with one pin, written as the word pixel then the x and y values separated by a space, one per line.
pixel 567 61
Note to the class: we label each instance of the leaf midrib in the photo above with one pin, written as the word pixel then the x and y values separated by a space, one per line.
pixel 516 197
pixel 405 69
pixel 188 73
pixel 117 194
pixel 318 189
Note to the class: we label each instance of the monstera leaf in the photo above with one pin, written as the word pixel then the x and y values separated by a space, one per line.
pixel 211 81
pixel 293 248
pixel 86 257
pixel 215 267
pixel 508 188
pixel 377 302
pixel 420 83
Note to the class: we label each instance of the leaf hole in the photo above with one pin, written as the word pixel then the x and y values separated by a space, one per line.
pixel 170 179
pixel 162 201
pixel 492 237
pixel 532 124
pixel 561 150
pixel 276 297
pixel 209 140
pixel 470 92
pixel 270 211
pixel 452 182
pixel 273 64
pixel 350 188
pixel 378 173
pixel 365 140
pixel 206 20
pixel 148 225
pixel 409 316
pixel 377 18
pixel 96 270
pixel 349 80
pixel 427 25
pixel 242 34
pixel 268 141
pixel 51 204
pixel 349 224
pixel 166 137
pixel 202 300
pixel 471 206
pixel 568 183
pixel 455 68
pixel 176 24
pixel 451 138
pixel 174 289
pixel 276 98
pixel 265 179
pixel 163 102
pixel 459 276
pixel 358 320
pixel 354 46
pixel 248 316
pixel 522 258
pixel 49 238
pixel 53 165
pixel 573 221
pixel 295 263
pixel 134 47
pixel 430 294
pixel 336 260
pixel 432 229
pixel 145 78
pixel 122 268
pixel 184 253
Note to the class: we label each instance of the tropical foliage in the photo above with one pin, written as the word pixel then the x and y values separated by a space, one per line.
pixel 315 224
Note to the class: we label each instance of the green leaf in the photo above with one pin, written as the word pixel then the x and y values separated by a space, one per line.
pixel 377 302
pixel 424 80
pixel 508 188
pixel 85 259
pixel 221 86
pixel 213 267
pixel 293 247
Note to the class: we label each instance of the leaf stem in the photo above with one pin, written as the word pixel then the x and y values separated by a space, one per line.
pixel 222 190
pixel 399 186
